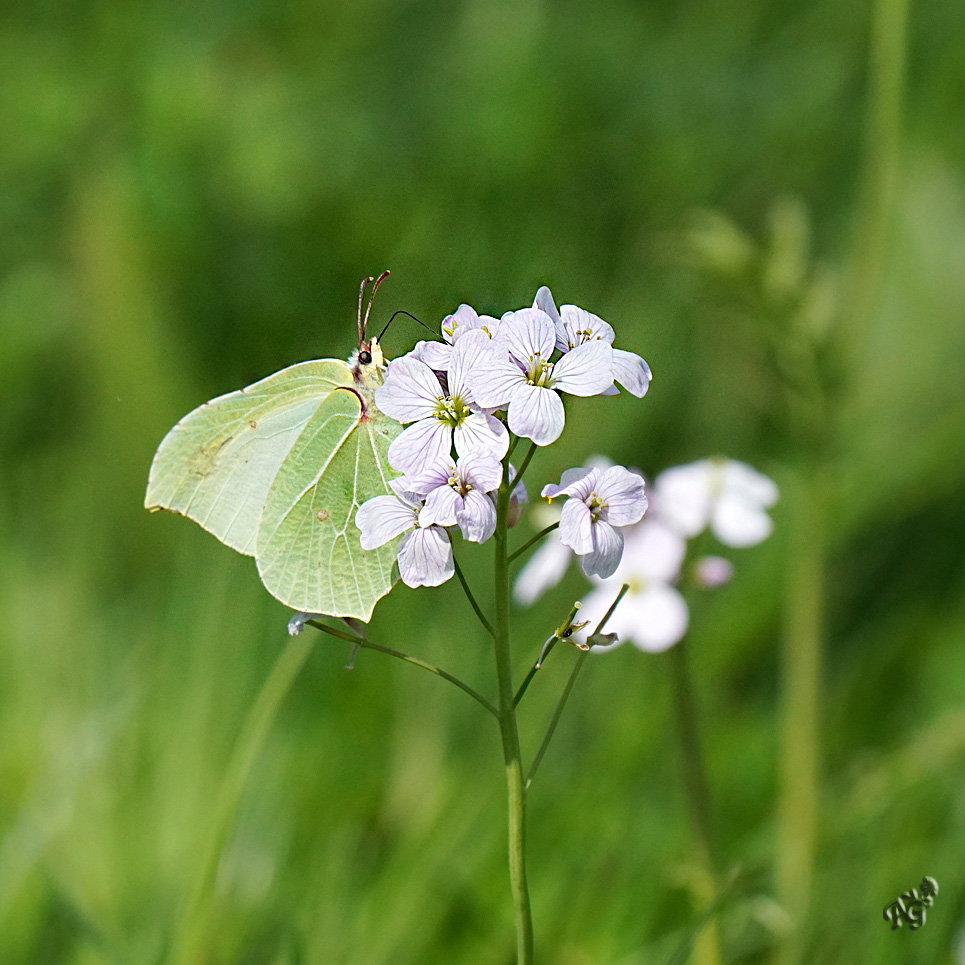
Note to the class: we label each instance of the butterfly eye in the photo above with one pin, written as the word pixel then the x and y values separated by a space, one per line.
pixel 365 357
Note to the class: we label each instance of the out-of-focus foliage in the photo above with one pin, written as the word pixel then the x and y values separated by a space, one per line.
pixel 189 197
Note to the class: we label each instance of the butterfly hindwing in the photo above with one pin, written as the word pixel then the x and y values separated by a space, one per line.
pixel 308 549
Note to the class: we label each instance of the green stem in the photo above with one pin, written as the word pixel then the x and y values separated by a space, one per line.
pixel 527 680
pixel 512 446
pixel 561 703
pixel 707 950
pixel 188 945
pixel 555 719
pixel 546 650
pixel 509 733
pixel 530 542
pixel 472 600
pixel 367 644
pixel 526 461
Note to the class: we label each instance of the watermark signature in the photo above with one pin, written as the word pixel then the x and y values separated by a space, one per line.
pixel 910 906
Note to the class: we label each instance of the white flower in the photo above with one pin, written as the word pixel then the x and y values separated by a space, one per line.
pixel 576 326
pixel 600 501
pixel 652 614
pixel 516 372
pixel 456 493
pixel 545 568
pixel 729 496
pixel 425 555
pixel 413 393
pixel 464 319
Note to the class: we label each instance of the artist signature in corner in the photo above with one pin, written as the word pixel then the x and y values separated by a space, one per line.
pixel 910 906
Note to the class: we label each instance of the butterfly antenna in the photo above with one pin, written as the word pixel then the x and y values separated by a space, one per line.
pixel 365 281
pixel 375 287
pixel 402 311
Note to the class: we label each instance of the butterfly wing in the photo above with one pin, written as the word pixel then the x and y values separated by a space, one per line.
pixel 218 463
pixel 260 467
pixel 308 550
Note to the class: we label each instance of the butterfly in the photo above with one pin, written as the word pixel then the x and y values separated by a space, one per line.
pixel 277 470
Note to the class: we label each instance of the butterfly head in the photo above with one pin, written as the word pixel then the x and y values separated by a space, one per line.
pixel 368 363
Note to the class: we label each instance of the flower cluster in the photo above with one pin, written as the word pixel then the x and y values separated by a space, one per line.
pixel 730 498
pixel 462 399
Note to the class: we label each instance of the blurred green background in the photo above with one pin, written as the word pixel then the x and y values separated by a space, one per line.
pixel 767 201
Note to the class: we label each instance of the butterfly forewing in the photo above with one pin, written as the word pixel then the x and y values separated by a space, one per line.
pixel 218 463
pixel 308 549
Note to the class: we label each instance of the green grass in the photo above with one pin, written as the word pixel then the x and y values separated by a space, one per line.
pixel 188 202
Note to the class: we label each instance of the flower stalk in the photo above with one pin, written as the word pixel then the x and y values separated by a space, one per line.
pixel 516 792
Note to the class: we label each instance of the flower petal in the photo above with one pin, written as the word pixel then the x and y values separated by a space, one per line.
pixel 410 391
pixel 683 498
pixel 462 319
pixel 738 522
pixel 576 527
pixel 660 618
pixel 465 355
pixel 607 550
pixel 494 376
pixel 425 557
pixel 422 444
pixel 423 479
pixel 527 333
pixel 481 433
pixel 381 519
pixel 632 372
pixel 477 516
pixel 545 568
pixel 587 370
pixel 653 551
pixel 578 482
pixel 482 470
pixel 652 619
pixel 536 413
pixel 623 493
pixel 441 508
pixel 577 326
pixel 741 479
pixel 435 354
pixel 544 302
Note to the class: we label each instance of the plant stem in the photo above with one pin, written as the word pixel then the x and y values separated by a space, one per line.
pixel 545 651
pixel 188 944
pixel 472 600
pixel 509 733
pixel 530 542
pixel 707 950
pixel 367 644
pixel 526 461
pixel 555 719
pixel 561 703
